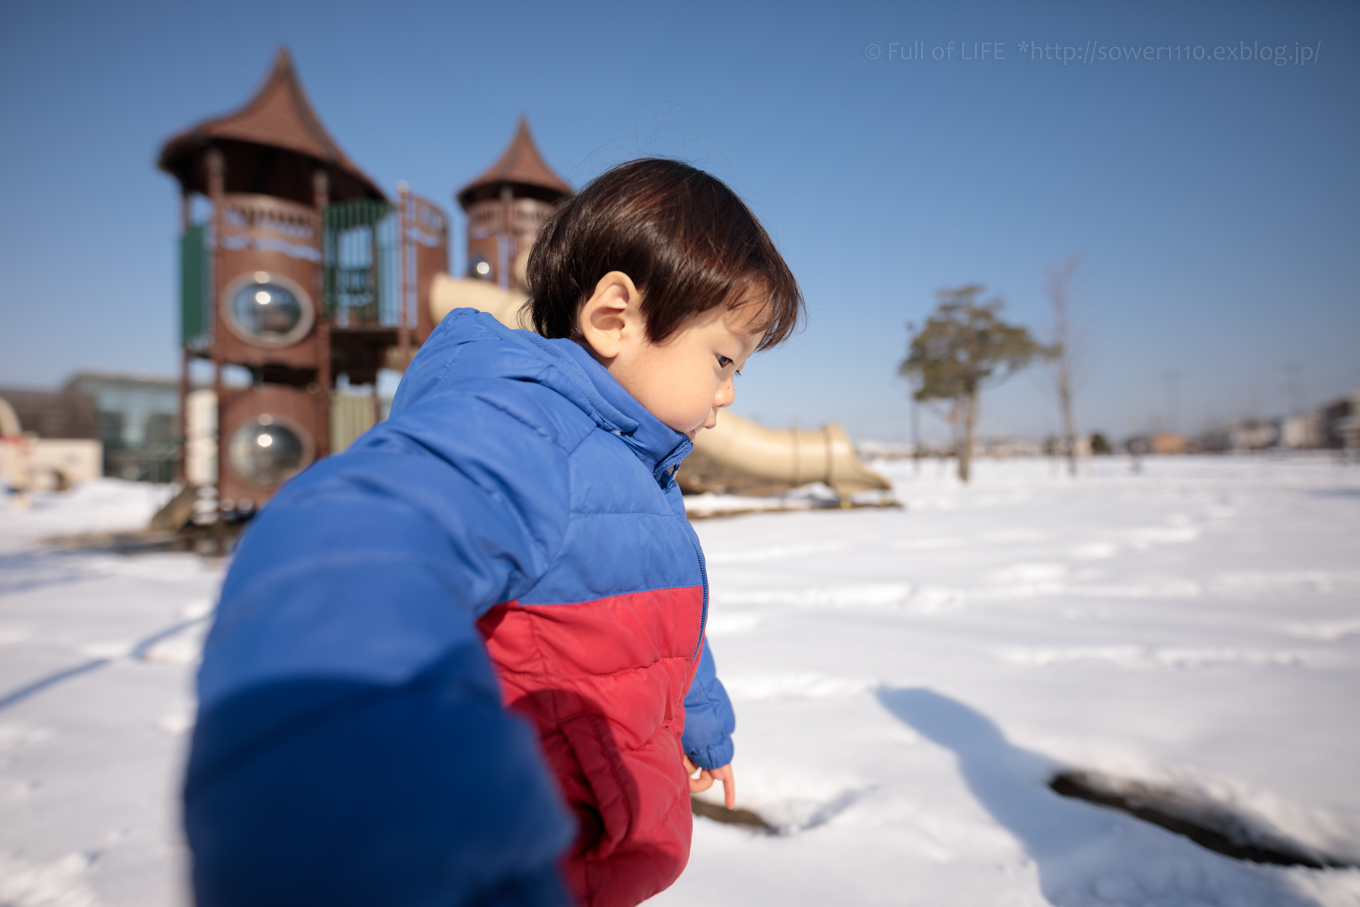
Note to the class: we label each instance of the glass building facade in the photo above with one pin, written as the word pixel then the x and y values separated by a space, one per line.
pixel 136 420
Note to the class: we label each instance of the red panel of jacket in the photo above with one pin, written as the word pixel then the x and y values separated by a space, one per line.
pixel 605 682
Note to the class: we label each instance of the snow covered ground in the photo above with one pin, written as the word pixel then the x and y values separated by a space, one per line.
pixel 97 654
pixel 906 683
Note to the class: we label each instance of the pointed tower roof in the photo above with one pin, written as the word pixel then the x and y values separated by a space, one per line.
pixel 272 145
pixel 521 168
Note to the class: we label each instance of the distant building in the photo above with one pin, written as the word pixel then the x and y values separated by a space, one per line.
pixel 1167 443
pixel 1247 436
pixel 135 418
pixel 1304 432
pixel 47 440
pixel 1341 421
pixel 1253 434
pixel 1001 446
pixel 53 414
pixel 883 450
pixel 1335 426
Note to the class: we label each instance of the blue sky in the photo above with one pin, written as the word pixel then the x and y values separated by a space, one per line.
pixel 1215 201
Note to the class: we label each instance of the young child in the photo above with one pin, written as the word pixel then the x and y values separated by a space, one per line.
pixel 464 661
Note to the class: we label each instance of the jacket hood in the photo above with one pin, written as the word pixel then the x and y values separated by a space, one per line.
pixel 469 344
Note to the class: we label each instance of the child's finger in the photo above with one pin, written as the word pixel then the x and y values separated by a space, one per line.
pixel 729 789
pixel 701 783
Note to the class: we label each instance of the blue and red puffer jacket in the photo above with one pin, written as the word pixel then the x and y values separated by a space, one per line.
pixel 355 743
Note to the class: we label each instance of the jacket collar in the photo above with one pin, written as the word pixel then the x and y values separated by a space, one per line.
pixel 613 408
pixel 457 350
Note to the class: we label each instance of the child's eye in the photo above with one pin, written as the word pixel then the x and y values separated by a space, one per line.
pixel 724 362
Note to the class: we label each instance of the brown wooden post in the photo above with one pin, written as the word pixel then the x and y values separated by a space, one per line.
pixel 403 250
pixel 320 193
pixel 182 420
pixel 374 272
pixel 323 389
pixel 217 174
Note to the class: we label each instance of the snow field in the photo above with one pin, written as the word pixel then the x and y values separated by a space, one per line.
pixel 97 654
pixel 906 682
pixel 913 679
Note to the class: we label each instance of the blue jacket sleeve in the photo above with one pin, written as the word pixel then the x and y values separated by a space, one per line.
pixel 351 746
pixel 709 719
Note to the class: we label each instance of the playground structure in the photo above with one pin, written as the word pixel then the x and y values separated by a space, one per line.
pixel 304 271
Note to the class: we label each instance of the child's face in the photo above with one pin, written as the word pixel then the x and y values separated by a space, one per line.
pixel 688 378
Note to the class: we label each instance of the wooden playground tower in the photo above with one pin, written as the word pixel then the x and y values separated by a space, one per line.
pixel 505 207
pixel 303 271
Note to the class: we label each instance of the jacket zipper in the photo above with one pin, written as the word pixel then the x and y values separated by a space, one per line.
pixel 703 574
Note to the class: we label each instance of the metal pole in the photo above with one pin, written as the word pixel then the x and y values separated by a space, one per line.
pixel 1172 400
pixel 1297 398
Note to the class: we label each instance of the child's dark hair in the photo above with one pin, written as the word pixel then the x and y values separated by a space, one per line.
pixel 686 240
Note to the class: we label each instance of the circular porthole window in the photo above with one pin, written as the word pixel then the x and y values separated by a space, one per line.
pixel 268 309
pixel 479 268
pixel 268 450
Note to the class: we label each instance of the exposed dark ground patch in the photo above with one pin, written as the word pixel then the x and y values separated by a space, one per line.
pixel 754 821
pixel 213 540
pixel 740 817
pixel 1212 826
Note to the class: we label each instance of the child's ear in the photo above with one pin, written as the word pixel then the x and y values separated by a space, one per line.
pixel 611 318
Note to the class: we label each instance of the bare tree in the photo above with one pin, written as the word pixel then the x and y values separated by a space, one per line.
pixel 963 347
pixel 1064 351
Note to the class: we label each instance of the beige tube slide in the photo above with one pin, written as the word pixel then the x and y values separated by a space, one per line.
pixel 740 456
pixel 737 456
pixel 449 293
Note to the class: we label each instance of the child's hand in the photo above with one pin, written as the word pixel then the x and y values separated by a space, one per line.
pixel 702 779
